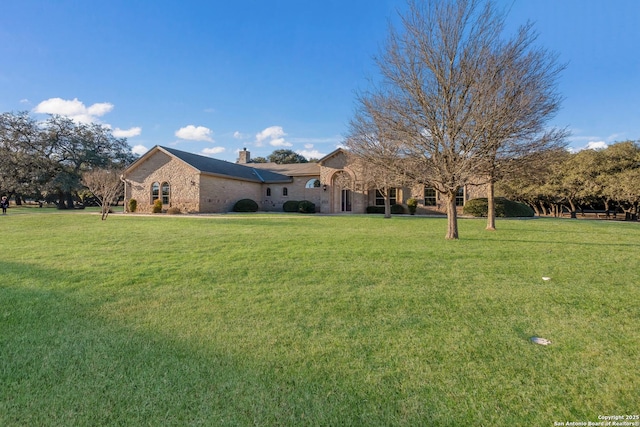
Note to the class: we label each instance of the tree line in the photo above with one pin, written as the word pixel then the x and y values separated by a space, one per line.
pixel 559 181
pixel 46 160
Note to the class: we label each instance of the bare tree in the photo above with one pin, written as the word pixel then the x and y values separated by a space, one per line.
pixel 446 76
pixel 373 151
pixel 105 185
pixel 517 97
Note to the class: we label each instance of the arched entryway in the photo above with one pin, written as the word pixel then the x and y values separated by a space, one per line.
pixel 342 196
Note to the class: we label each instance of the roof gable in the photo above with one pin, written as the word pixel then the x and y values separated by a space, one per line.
pixel 334 153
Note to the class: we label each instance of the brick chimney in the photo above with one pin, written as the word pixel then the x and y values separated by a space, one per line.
pixel 245 157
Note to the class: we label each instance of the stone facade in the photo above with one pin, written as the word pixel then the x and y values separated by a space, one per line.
pixel 197 184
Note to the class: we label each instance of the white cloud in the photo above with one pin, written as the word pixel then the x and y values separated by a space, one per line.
pixel 212 150
pixel 99 109
pixel 279 142
pixel 194 133
pixel 127 133
pixel 139 150
pixel 596 145
pixel 25 101
pixel 311 154
pixel 239 135
pixel 275 136
pixel 332 140
pixel 74 109
pixel 591 145
pixel 579 139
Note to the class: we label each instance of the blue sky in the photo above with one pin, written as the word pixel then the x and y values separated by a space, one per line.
pixel 212 77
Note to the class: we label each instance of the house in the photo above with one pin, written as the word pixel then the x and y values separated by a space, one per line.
pixel 199 184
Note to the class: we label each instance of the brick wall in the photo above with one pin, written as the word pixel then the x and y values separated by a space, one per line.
pixel 183 180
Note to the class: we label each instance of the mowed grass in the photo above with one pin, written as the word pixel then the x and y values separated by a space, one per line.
pixel 315 320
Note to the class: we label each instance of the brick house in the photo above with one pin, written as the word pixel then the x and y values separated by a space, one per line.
pixel 199 184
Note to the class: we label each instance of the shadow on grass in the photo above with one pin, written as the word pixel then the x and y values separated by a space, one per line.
pixel 62 365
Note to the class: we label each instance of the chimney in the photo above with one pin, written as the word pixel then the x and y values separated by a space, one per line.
pixel 245 157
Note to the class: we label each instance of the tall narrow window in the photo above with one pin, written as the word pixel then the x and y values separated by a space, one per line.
pixel 268 192
pixel 165 193
pixel 285 191
pixel 460 197
pixel 346 200
pixel 430 196
pixel 155 192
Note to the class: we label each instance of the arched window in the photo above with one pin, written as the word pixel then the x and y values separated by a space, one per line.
pixel 268 192
pixel 312 183
pixel 165 193
pixel 285 191
pixel 155 191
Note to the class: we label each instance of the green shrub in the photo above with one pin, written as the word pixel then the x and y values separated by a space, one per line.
pixel 245 205
pixel 412 204
pixel 133 205
pixel 504 208
pixel 291 206
pixel 306 206
pixel 375 209
pixel 174 210
pixel 157 206
pixel 397 209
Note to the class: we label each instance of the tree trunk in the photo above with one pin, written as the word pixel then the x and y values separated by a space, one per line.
pixel 536 209
pixel 573 208
pixel 543 208
pixel 387 204
pixel 491 207
pixel 69 200
pixel 61 203
pixel 105 211
pixel 452 216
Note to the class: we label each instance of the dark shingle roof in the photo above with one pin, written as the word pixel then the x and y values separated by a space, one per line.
pixel 292 169
pixel 221 167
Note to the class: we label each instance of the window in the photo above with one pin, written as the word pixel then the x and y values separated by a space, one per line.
pixel 460 197
pixel 380 197
pixel 430 196
pixel 346 200
pixel 313 183
pixel 268 192
pixel 165 193
pixel 155 192
pixel 285 192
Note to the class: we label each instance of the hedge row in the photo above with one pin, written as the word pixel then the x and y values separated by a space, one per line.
pixel 504 208
pixel 304 206
pixel 396 209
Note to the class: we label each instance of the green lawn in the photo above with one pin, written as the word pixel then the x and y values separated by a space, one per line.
pixel 266 320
